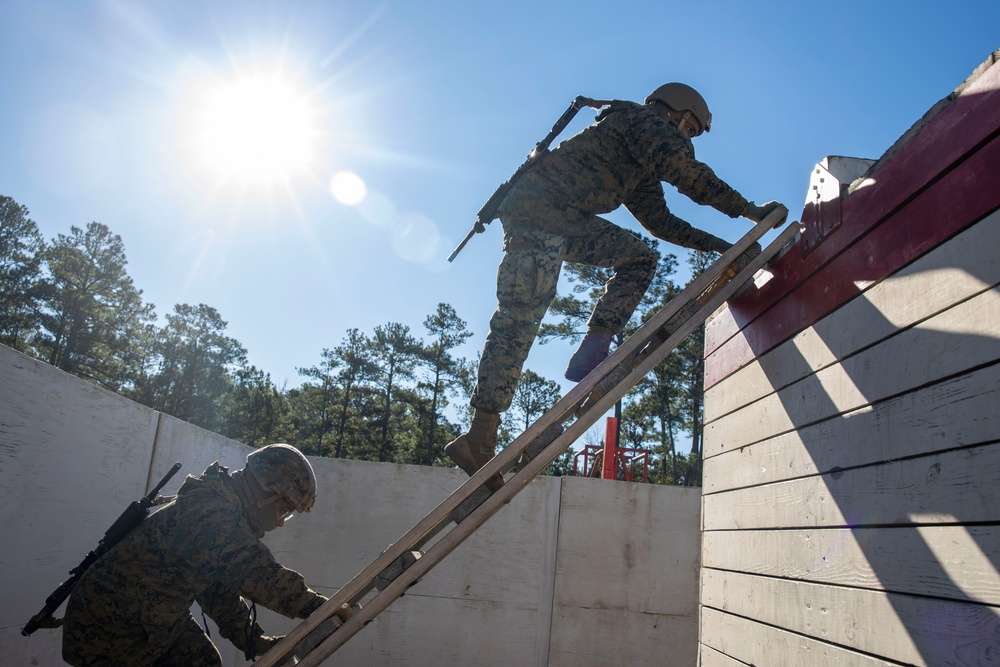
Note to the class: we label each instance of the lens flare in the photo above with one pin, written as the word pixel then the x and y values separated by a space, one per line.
pixel 348 188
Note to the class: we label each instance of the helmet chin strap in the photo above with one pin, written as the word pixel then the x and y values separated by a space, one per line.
pixel 670 113
pixel 686 120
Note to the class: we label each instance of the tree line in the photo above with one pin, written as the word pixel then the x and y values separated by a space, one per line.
pixel 380 396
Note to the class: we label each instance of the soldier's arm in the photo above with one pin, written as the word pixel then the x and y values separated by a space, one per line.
pixel 278 588
pixel 225 606
pixel 649 207
pixel 219 544
pixel 669 157
pixel 698 182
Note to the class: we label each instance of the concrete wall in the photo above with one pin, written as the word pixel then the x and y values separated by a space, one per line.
pixel 573 572
pixel 851 510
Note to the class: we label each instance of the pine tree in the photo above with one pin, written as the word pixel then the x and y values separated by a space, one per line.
pixel 21 248
pixel 93 321
pixel 317 399
pixel 394 357
pixel 256 412
pixel 444 373
pixel 194 364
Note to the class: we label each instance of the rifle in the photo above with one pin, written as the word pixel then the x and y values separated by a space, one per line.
pixel 488 213
pixel 130 518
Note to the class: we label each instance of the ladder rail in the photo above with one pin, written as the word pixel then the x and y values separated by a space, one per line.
pixel 568 405
pixel 534 467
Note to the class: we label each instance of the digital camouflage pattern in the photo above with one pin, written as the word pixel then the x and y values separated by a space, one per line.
pixel 552 215
pixel 132 607
pixel 285 470
pixel 526 284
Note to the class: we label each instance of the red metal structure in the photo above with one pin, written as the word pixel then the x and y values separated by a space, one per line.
pixel 616 462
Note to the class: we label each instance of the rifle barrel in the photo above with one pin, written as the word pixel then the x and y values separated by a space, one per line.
pixel 468 237
pixel 488 212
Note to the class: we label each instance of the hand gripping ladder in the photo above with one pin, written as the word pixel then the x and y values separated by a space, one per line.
pixel 402 564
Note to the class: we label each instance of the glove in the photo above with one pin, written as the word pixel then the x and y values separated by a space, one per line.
pixel 344 613
pixel 758 213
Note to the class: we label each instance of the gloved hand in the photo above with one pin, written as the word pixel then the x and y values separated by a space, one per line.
pixel 344 613
pixel 758 213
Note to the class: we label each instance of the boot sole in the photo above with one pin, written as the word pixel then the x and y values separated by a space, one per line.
pixel 461 456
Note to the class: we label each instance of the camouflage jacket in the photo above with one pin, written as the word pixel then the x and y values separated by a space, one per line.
pixel 622 160
pixel 199 547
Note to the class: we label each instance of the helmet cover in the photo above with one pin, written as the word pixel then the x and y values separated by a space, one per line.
pixel 284 470
pixel 682 97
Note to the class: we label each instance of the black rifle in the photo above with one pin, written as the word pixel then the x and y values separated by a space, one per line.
pixel 488 213
pixel 130 518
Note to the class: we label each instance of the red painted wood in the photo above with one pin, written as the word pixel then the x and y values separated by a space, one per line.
pixel 955 131
pixel 609 464
pixel 964 195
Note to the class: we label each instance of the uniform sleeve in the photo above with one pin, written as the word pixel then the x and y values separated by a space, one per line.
pixel 669 157
pixel 649 207
pixel 231 614
pixel 219 544
pixel 276 587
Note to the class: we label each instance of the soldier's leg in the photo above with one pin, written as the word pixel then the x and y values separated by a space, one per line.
pixel 192 648
pixel 634 264
pixel 98 630
pixel 526 284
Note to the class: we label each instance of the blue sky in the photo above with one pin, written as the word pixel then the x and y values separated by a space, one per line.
pixel 431 104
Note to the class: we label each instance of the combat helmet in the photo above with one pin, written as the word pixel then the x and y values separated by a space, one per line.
pixel 682 97
pixel 284 470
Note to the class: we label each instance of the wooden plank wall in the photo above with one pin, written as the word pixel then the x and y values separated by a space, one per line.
pixel 851 510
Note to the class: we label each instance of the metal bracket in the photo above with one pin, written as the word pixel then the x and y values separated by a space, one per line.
pixel 828 183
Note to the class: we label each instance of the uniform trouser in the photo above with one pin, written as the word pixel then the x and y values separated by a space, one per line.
pixel 526 285
pixel 101 645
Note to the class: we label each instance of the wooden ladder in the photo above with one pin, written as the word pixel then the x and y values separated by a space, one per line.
pixel 403 563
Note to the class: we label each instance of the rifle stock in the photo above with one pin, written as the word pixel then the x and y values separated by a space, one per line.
pixel 123 525
pixel 488 213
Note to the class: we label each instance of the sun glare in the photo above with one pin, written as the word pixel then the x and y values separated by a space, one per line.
pixel 348 188
pixel 256 131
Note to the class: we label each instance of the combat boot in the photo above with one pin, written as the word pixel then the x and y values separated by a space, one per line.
pixel 592 351
pixel 474 449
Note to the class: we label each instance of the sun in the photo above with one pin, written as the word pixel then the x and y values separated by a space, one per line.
pixel 255 130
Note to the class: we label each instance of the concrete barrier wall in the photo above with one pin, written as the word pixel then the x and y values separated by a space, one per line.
pixel 573 572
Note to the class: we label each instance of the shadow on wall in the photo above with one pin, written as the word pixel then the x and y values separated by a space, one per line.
pixel 885 489
pixel 871 498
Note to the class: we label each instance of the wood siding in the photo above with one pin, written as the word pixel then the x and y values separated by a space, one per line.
pixel 851 509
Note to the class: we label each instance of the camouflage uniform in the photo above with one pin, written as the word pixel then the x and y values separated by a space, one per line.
pixel 551 216
pixel 132 607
